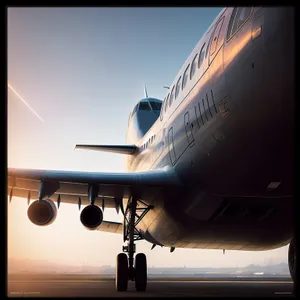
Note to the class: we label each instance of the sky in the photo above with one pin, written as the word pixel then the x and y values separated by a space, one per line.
pixel 82 70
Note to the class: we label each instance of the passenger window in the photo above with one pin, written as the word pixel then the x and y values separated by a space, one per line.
pixel 144 106
pixel 166 105
pixel 193 67
pixel 185 77
pixel 243 13
pixel 201 56
pixel 172 96
pixel 207 48
pixel 178 87
pixel 231 23
pixel 215 38
pixel 162 110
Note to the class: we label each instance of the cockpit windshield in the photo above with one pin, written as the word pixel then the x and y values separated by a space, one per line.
pixel 155 105
pixel 144 106
pixel 147 104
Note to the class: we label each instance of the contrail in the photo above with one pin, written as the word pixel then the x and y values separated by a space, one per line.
pixel 24 102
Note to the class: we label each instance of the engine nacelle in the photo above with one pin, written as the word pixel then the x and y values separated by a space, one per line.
pixel 91 217
pixel 42 212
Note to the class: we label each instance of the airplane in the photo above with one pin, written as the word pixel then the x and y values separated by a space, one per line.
pixel 211 166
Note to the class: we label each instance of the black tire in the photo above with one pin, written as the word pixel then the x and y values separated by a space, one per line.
pixel 292 259
pixel 140 272
pixel 122 272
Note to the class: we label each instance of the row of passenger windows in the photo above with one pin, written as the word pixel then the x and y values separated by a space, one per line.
pixel 150 141
pixel 238 18
pixel 182 80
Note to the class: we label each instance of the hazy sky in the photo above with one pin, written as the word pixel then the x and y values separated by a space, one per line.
pixel 83 70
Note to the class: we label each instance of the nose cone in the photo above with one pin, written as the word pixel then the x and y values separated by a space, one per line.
pixel 143 116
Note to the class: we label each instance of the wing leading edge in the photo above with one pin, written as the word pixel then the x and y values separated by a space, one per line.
pixel 121 149
pixel 72 185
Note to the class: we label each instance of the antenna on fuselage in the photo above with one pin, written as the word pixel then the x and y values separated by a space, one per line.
pixel 145 91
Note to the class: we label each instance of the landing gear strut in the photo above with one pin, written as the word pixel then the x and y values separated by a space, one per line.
pixel 130 269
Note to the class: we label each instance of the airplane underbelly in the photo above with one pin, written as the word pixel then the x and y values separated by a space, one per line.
pixel 236 224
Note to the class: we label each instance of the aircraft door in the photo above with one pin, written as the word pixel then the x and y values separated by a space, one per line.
pixel 217 89
pixel 171 146
pixel 217 40
pixel 188 128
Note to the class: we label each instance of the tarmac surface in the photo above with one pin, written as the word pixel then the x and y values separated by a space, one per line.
pixel 156 287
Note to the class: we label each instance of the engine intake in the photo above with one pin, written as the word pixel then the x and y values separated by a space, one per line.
pixel 42 212
pixel 91 217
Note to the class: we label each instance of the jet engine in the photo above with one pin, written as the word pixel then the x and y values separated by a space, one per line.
pixel 42 212
pixel 91 217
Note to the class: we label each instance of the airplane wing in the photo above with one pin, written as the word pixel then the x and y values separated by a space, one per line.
pixel 72 186
pixel 112 227
pixel 121 149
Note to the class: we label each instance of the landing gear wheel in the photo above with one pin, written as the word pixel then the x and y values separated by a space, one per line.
pixel 122 272
pixel 140 272
pixel 292 259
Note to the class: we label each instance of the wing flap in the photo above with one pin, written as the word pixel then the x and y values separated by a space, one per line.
pixel 64 198
pixel 112 227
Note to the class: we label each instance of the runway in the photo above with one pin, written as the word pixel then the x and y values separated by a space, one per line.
pixel 156 287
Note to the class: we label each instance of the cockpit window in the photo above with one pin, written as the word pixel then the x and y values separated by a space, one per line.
pixel 155 105
pixel 144 106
